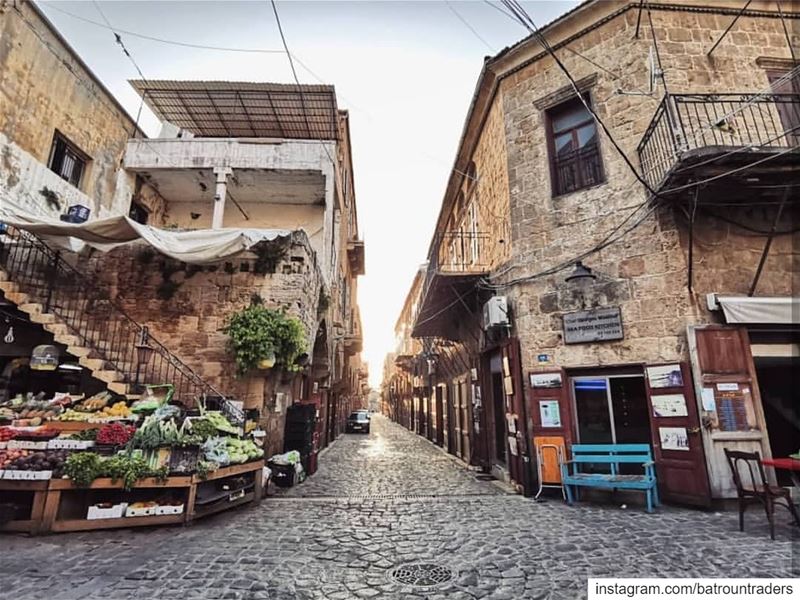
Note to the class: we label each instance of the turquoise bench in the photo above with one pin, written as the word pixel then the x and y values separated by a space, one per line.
pixel 612 455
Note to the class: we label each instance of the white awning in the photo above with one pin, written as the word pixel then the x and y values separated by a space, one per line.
pixel 764 310
pixel 199 247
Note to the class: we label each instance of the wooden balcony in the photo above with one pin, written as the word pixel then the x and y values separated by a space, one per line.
pixel 734 143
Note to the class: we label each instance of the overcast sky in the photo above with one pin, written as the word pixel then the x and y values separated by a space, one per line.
pixel 405 70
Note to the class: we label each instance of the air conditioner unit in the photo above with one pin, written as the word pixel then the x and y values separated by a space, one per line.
pixel 495 313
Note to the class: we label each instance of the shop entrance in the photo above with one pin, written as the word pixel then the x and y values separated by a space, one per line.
pixel 498 410
pixel 611 409
pixel 780 401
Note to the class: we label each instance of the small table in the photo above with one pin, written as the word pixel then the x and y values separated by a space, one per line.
pixel 785 464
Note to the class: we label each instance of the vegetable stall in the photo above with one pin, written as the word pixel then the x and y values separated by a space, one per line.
pixel 70 463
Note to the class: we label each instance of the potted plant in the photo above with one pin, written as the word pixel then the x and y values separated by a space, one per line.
pixel 260 338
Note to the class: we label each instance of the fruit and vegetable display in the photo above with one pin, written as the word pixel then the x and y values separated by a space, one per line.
pixel 115 434
pixel 95 403
pixel 118 409
pixel 219 421
pixel 7 433
pixel 53 460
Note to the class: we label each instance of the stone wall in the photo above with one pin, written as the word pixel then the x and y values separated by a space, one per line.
pixel 46 87
pixel 487 188
pixel 646 272
pixel 189 323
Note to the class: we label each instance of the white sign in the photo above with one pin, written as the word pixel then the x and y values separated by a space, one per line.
pixel 674 438
pixel 545 380
pixel 728 387
pixel 709 403
pixel 669 405
pixel 664 376
pixel 550 413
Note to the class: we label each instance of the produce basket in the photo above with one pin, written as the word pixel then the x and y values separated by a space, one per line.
pixel 183 459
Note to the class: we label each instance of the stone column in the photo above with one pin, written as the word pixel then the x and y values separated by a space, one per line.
pixel 220 193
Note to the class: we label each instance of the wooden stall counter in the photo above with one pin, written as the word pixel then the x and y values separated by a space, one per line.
pixel 57 505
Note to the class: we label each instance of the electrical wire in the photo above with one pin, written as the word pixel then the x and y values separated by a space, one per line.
pixel 121 44
pixel 297 81
pixel 54 6
pixel 468 26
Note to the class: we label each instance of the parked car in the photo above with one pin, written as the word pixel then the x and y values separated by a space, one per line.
pixel 358 421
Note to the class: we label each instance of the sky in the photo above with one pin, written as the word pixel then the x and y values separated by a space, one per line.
pixel 406 71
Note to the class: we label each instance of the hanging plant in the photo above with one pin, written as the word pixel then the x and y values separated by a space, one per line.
pixel 258 333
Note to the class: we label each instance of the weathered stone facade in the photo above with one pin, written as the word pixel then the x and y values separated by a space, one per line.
pixel 190 322
pixel 45 89
pixel 635 239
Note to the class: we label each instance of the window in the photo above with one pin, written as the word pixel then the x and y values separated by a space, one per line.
pixel 788 108
pixel 66 160
pixel 138 213
pixel 574 149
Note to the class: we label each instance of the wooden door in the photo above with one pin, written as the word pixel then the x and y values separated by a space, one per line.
pixel 465 416
pixel 450 425
pixel 728 400
pixel 439 436
pixel 550 413
pixel 517 417
pixel 675 429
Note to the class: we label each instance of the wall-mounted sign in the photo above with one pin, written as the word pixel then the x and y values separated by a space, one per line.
pixel 598 325
pixel 665 376
pixel 543 359
pixel 669 405
pixel 550 413
pixel 545 380
pixel 673 438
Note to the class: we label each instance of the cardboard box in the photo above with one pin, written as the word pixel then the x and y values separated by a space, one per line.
pixel 27 445
pixel 169 510
pixel 67 444
pixel 140 512
pixel 115 512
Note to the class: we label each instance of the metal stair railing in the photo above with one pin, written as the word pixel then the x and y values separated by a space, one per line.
pixel 81 304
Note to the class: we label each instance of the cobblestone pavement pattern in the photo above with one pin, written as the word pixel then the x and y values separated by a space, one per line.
pixel 384 500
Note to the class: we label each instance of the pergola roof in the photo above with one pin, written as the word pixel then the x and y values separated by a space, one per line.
pixel 244 109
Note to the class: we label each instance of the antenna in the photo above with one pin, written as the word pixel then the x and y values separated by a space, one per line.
pixel 653 70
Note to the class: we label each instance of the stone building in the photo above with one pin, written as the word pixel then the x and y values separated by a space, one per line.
pixel 259 175
pixel 649 302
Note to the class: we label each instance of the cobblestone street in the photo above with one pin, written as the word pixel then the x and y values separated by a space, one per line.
pixel 384 500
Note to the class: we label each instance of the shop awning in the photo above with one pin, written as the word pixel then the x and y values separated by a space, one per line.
pixel 764 310
pixel 203 246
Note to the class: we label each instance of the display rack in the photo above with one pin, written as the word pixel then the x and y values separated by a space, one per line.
pixel 54 502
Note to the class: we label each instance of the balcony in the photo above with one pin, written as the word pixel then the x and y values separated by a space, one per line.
pixel 355 255
pixel 751 139
pixel 450 285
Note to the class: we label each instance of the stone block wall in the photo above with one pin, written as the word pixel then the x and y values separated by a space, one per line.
pixel 189 323
pixel 645 272
pixel 46 88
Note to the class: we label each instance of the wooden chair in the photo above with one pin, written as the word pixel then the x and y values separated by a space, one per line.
pixel 758 489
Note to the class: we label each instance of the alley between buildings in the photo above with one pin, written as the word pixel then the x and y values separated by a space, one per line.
pixel 379 502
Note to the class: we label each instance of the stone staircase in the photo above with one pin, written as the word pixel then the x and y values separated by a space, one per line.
pixel 88 356
pixel 75 309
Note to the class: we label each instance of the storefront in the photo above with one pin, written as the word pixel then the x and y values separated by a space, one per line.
pixel 625 404
pixel 744 371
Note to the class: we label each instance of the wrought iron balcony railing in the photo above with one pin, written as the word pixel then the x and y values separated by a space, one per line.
pixel 689 122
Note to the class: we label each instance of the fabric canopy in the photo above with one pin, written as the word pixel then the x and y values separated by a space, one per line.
pixel 199 247
pixel 766 310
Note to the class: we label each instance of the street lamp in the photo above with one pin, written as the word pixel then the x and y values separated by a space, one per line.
pixel 143 353
pixel 580 273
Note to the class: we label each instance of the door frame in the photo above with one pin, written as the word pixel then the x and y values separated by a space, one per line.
pixel 609 400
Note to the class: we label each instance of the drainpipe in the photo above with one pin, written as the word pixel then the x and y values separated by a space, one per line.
pixel 220 193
